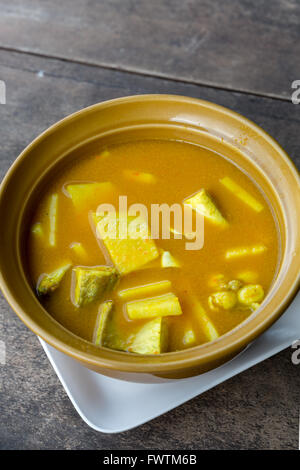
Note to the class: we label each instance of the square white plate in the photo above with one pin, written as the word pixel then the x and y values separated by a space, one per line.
pixel 111 406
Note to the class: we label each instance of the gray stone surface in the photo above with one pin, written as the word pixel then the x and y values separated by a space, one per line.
pixel 238 44
pixel 258 409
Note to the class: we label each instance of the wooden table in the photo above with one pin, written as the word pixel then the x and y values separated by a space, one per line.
pixel 57 57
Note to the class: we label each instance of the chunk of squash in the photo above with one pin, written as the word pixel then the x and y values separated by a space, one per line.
pixel 242 194
pixel 113 337
pixel 87 196
pixel 105 310
pixel 204 205
pixel 49 282
pixel 160 306
pixel 91 284
pixel 151 338
pixel 200 315
pixel 143 291
pixel 127 254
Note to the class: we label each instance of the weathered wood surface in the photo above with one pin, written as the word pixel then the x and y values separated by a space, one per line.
pixel 237 44
pixel 258 409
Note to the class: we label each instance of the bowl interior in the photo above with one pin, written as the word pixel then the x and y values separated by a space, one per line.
pixel 139 118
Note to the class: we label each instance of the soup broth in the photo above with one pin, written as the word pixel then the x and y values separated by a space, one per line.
pixel 152 296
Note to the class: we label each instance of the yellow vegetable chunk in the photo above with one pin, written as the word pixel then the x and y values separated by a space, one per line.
pixel 78 249
pixel 253 293
pixel 151 338
pixel 87 196
pixel 204 205
pixel 245 251
pixel 139 176
pixel 168 261
pixel 52 219
pixel 205 323
pixel 242 194
pixel 127 254
pixel 226 300
pixel 102 320
pixel 37 229
pixel 160 306
pixel 91 284
pixel 146 290
pixel 113 337
pixel 49 282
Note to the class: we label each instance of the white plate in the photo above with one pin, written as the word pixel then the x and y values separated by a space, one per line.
pixel 111 406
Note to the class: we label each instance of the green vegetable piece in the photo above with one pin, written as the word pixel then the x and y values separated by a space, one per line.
pixel 102 320
pixel 49 282
pixel 151 338
pixel 87 196
pixel 204 205
pixel 245 251
pixel 226 300
pixel 146 290
pixel 113 335
pixel 91 284
pixel 242 194
pixel 127 254
pixel 250 294
pixel 160 306
pixel 168 261
pixel 52 219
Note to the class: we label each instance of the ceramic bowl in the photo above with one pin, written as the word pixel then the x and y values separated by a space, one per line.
pixel 135 118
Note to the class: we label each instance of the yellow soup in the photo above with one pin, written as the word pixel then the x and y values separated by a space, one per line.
pixel 151 295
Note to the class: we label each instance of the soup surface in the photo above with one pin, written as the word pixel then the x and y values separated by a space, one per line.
pixel 142 295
